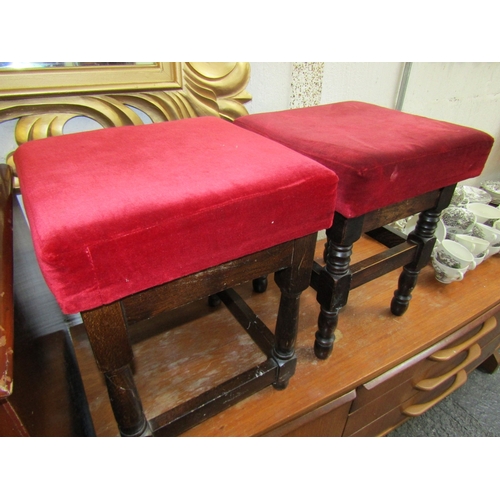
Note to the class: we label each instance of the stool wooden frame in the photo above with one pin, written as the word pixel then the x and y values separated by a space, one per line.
pixel 334 280
pixel 107 331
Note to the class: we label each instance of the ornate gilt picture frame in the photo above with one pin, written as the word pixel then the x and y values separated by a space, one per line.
pixel 44 101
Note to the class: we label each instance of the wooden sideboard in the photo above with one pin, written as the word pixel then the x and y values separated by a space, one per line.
pixel 383 370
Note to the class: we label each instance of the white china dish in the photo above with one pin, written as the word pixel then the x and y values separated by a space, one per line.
pixel 454 255
pixel 445 274
pixel 458 220
pixel 493 189
pixel 476 195
pixel 484 212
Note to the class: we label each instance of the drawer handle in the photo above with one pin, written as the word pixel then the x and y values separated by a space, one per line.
pixel 419 409
pixel 429 384
pixel 446 354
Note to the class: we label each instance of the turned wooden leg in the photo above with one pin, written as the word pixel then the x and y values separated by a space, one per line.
pixel 335 279
pixel 402 296
pixel 292 281
pixel 333 292
pixel 423 237
pixel 110 344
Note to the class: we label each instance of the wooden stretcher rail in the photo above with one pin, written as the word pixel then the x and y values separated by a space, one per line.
pixel 375 266
pixel 145 305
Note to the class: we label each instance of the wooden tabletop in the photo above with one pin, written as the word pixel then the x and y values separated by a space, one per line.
pixel 185 352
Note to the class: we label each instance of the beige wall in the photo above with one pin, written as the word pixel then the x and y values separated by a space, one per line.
pixel 464 93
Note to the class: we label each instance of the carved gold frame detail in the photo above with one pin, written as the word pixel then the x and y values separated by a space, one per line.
pixel 191 89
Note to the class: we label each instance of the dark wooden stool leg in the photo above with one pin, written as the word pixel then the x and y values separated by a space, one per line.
pixel 333 292
pixel 214 301
pixel 260 284
pixel 107 332
pixel 292 281
pixel 126 403
pixel 423 237
pixel 335 280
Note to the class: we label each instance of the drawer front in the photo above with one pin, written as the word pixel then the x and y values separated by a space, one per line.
pixel 331 424
pixel 431 364
pixel 328 420
pixel 418 404
pixel 430 378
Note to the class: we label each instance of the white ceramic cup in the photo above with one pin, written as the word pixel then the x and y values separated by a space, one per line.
pixel 411 222
pixel 482 257
pixel 440 232
pixel 454 255
pixel 476 246
pixel 484 212
pixel 485 232
pixel 445 274
pixel 493 189
pixel 458 220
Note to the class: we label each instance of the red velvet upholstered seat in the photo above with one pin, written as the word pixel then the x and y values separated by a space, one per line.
pixel 120 210
pixel 382 156
pixel 390 165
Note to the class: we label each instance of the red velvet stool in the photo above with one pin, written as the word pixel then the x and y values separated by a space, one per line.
pixel 390 165
pixel 131 221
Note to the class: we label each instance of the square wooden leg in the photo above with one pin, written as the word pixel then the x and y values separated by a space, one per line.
pixel 107 331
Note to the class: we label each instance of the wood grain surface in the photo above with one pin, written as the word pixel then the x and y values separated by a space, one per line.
pixel 195 347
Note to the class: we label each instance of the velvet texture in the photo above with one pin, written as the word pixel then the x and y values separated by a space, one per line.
pixel 120 210
pixel 381 156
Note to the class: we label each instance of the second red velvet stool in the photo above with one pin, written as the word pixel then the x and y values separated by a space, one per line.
pixel 390 165
pixel 128 222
